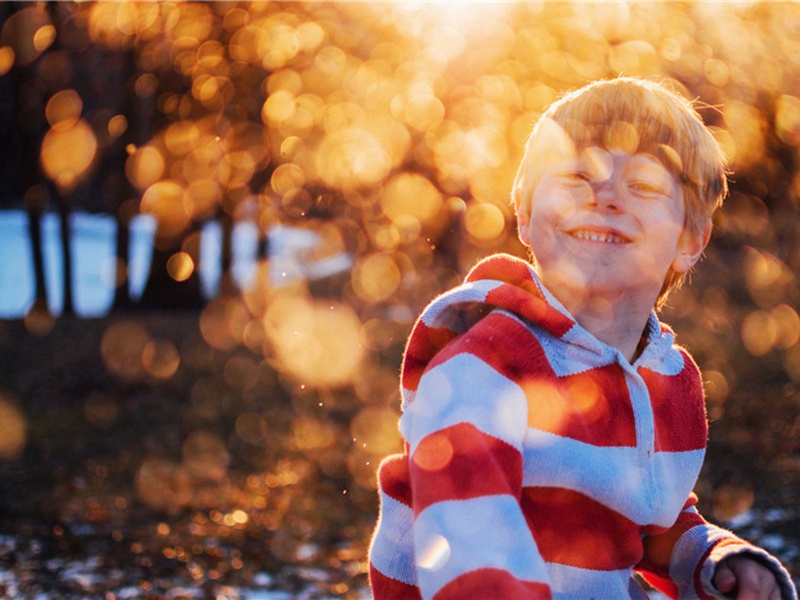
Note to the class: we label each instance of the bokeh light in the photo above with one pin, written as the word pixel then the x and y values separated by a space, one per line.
pixel 13 429
pixel 68 149
pixel 28 32
pixel 317 342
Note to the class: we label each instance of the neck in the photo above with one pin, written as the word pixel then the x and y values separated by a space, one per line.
pixel 619 323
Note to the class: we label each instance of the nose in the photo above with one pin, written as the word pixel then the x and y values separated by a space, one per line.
pixel 604 192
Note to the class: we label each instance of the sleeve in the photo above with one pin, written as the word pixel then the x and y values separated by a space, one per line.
pixel 464 430
pixel 681 561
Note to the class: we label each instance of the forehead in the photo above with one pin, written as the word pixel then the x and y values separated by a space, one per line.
pixel 576 140
pixel 604 160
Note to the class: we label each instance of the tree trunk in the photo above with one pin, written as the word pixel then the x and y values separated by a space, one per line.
pixel 66 253
pixel 162 289
pixel 29 126
pixel 227 284
pixel 123 202
pixel 35 210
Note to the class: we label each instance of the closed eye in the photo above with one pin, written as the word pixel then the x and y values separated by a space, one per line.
pixel 646 188
pixel 576 176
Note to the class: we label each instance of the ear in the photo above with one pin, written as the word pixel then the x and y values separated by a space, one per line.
pixel 690 248
pixel 523 218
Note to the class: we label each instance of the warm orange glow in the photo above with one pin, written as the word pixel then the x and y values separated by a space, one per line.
pixel 160 358
pixel 113 23
pixel 434 453
pixel 164 200
pixel 182 137
pixel 28 32
pixel 411 195
pixel 6 59
pixel 202 197
pixel 122 347
pixel 206 456
pixel 144 167
pixel 163 484
pixel 375 430
pixel 746 127
pixel 223 323
pixel 376 277
pixel 64 109
pixel 180 266
pixel 484 221
pixel 117 125
pixel 312 434
pixel 317 342
pixel 13 430
pixel 353 156
pixel 44 37
pixel 68 152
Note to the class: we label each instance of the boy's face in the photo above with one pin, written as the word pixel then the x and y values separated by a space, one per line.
pixel 607 224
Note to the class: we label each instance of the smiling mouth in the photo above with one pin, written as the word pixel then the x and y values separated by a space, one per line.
pixel 598 236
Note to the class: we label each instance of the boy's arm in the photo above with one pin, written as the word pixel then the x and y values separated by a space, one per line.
pixel 465 429
pixel 683 561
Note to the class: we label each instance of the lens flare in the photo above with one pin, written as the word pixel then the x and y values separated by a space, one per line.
pixel 434 554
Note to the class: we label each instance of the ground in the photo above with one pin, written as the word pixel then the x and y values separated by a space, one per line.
pixel 151 487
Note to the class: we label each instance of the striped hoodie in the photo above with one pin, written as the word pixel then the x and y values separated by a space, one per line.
pixel 539 463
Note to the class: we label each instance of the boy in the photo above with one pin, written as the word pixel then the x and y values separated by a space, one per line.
pixel 553 429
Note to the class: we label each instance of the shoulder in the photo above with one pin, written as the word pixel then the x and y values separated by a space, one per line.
pixel 502 341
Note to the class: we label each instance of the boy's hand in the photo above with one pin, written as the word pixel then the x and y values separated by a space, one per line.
pixel 743 578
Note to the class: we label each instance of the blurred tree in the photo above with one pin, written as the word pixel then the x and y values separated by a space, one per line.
pixel 27 116
pixel 55 80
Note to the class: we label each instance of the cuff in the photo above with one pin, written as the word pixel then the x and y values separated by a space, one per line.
pixel 734 546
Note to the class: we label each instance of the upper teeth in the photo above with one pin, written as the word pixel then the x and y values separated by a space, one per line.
pixel 595 236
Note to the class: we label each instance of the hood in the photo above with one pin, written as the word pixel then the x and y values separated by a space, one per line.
pixel 502 281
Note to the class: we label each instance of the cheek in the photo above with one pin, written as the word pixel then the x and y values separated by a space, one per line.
pixel 551 207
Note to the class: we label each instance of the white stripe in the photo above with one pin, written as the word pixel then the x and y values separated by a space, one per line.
pixel 676 472
pixel 444 310
pixel 574 583
pixel 392 548
pixel 464 389
pixel 455 537
pixel 613 476
pixel 686 555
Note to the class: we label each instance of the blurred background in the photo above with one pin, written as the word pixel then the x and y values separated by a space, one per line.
pixel 218 222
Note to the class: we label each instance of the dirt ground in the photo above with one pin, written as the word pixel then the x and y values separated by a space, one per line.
pixel 145 486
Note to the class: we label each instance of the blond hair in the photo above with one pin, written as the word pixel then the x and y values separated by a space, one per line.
pixel 637 116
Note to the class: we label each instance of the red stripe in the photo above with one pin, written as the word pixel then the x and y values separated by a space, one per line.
pixel 678 408
pixel 502 267
pixel 492 584
pixel 504 344
pixel 521 294
pixel 393 477
pixel 660 542
pixel 423 345
pixel 572 529
pixel 698 585
pixel 528 304
pixel 462 462
pixel 591 407
pixel 662 584
pixel 386 588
